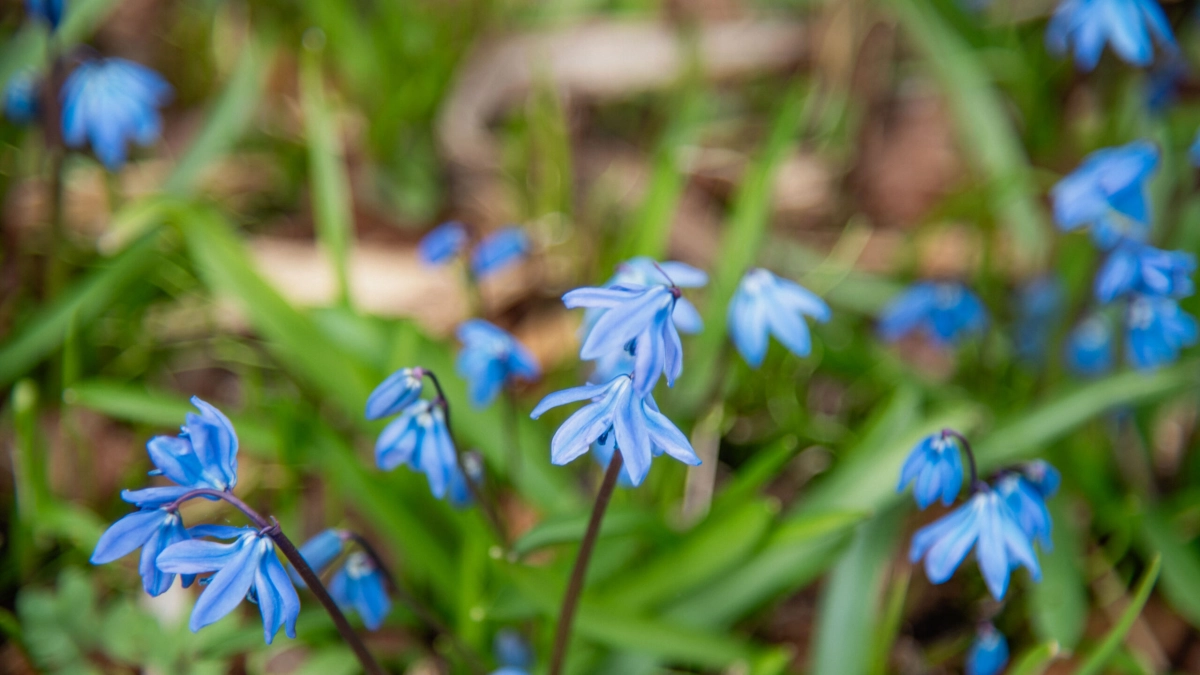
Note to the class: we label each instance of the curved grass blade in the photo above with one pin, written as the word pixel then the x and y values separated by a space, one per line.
pixel 1095 662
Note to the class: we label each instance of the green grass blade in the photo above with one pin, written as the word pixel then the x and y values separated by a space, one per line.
pixel 1059 603
pixel 1036 660
pixel 1095 662
pixel 1180 564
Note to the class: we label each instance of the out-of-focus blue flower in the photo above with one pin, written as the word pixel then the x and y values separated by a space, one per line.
pixel 50 11
pixel 498 250
pixel 246 567
pixel 946 311
pixel 359 586
pixel 512 649
pixel 400 390
pixel 1043 476
pixel 442 243
pixel 986 523
pixel 1084 26
pixel 988 653
pixel 20 97
pixel 644 271
pixel 420 439
pixel 1090 346
pixel 936 466
pixel 489 357
pixel 151 530
pixel 765 304
pixel 640 431
pixel 1108 192
pixel 1194 151
pixel 509 671
pixel 1158 329
pixel 1029 506
pixel 459 491
pixel 641 313
pixel 319 552
pixel 1133 267
pixel 203 455
pixel 1038 308
pixel 1162 84
pixel 110 102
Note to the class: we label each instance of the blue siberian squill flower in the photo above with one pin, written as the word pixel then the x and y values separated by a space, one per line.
pixel 248 567
pixel 988 653
pixel 645 271
pixel 512 649
pixel 359 586
pixel 442 243
pixel 490 357
pixel 765 304
pixel 1090 346
pixel 111 102
pixel 20 97
pixel 1158 329
pixel 946 311
pixel 400 390
pixel 498 250
pixel 1038 308
pixel 1133 267
pixel 203 455
pixel 50 11
pixel 151 530
pixel 639 430
pixel 935 464
pixel 419 438
pixel 1194 151
pixel 1043 476
pixel 319 552
pixel 1108 193
pixel 1028 505
pixel 986 523
pixel 1130 27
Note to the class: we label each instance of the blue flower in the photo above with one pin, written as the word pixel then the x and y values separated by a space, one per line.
pixel 1090 346
pixel 400 390
pixel 246 567
pixel 1108 192
pixel 359 585
pixel 1038 308
pixel 20 98
pixel 459 491
pixel 509 671
pixel 420 439
pixel 988 653
pixel 1158 329
pixel 442 243
pixel 986 523
pixel 936 466
pixel 1194 150
pixel 946 311
pixel 1126 25
pixel 644 271
pixel 203 455
pixel 1042 476
pixel 1133 267
pixel 765 304
pixel 512 649
pixel 1028 504
pixel 110 102
pixel 50 11
pixel 498 250
pixel 151 530
pixel 1162 83
pixel 319 552
pixel 640 431
pixel 489 357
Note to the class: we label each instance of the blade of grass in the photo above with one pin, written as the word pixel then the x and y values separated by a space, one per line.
pixel 1180 564
pixel 1059 604
pixel 889 627
pixel 1095 662
pixel 1036 660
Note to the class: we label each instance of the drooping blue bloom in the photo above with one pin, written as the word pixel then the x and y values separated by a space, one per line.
pixel 1133 267
pixel 400 390
pixel 640 431
pixel 1108 193
pixel 498 250
pixel 1090 346
pixel 490 357
pixel 203 455
pixel 1029 506
pixel 1194 151
pixel 988 653
pixel 1084 26
pixel 645 271
pixel 20 97
pixel 1038 309
pixel 935 464
pixel 1158 329
pixel 512 650
pixel 359 586
pixel 765 304
pixel 946 311
pixel 50 11
pixel 986 523
pixel 442 243
pixel 319 552
pixel 246 567
pixel 419 438
pixel 151 530
pixel 111 102
pixel 1043 476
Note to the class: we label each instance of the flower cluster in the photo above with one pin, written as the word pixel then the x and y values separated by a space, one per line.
pixel 947 312
pixel 493 253
pixel 490 357
pixel 1130 27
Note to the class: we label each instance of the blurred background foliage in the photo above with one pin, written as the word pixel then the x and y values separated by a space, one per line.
pixel 262 256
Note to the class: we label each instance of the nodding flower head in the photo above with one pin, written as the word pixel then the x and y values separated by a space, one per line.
pixel 1130 27
pixel 1158 330
pixel 203 455
pixel 1028 504
pixel 498 251
pixel 1133 267
pixel 21 97
pixel 490 357
pixel 1043 476
pixel 1107 192
pixel 988 653
pixel 945 311
pixel 400 390
pixel 110 103
pixel 639 430
pixel 152 530
pixel 1090 346
pixel 320 552
pixel 359 586
pixel 935 465
pixel 419 439
pixel 442 243
pixel 765 304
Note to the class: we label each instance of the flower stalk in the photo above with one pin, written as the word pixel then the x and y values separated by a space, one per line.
pixel 976 484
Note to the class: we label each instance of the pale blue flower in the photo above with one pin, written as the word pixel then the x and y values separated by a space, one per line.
pixel 1194 150
pixel 1039 306
pixel 21 97
pixel 1085 26
pixel 1133 267
pixel 947 312
pixel 400 390
pixel 1028 505
pixel 1090 346
pixel 1158 330
pixel 319 552
pixel 988 653
pixel 1108 193
pixel 490 357
pixel 50 11
pixel 111 102
pixel 510 671
pixel 765 304
pixel 499 250
pixel 640 431
pixel 442 243
pixel 645 271
pixel 203 455
pixel 935 465
pixel 248 567
pixel 419 439
pixel 359 585
pixel 1043 476
pixel 986 524
pixel 151 530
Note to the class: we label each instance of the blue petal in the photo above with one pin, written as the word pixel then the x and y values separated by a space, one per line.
pixel 197 556
pixel 400 390
pixel 128 535
pixel 270 579
pixel 572 395
pixel 442 243
pixel 228 587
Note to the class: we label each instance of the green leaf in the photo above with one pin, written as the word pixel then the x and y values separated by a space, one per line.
pixel 1107 648
pixel 889 626
pixel 1059 603
pixel 1180 564
pixel 569 529
pixel 1036 660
